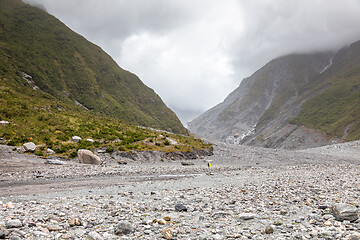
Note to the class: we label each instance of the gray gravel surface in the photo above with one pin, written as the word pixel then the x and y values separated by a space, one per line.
pixel 254 193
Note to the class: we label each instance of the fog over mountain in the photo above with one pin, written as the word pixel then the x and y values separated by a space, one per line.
pixel 194 53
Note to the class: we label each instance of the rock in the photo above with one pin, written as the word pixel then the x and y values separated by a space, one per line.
pixel 50 151
pixel 123 228
pixel 9 205
pixel 343 211
pixel 167 218
pixel 121 162
pixel 180 207
pixel 16 223
pixel 161 221
pixel 269 229
pixel 3 234
pixel 4 123
pixel 53 229
pixel 172 141
pixel 29 147
pixel 354 237
pixel 55 162
pixel 187 163
pixel 95 236
pixel 246 216
pixel 15 237
pixel 74 222
pixel 90 140
pixel 87 157
pixel 166 233
pixel 76 139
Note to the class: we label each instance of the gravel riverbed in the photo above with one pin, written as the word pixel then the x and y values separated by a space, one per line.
pixel 253 193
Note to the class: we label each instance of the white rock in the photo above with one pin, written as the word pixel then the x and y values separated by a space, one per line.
pixel 95 236
pixel 87 157
pixel 4 123
pixel 50 151
pixel 29 147
pixel 76 139
pixel 246 216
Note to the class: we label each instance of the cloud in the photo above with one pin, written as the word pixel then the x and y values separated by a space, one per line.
pixel 194 53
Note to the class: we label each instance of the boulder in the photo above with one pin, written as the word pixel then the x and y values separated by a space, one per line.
pixel 15 223
pixel 343 211
pixel 95 236
pixel 123 228
pixel 166 233
pixel 29 147
pixel 187 163
pixel 4 123
pixel 87 157
pixel 76 139
pixel 50 151
pixel 55 162
pixel 180 207
pixel 121 162
pixel 246 216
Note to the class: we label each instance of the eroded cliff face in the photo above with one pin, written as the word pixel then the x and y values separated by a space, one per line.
pixel 258 111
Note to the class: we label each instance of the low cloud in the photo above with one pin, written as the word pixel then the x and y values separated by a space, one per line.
pixel 194 53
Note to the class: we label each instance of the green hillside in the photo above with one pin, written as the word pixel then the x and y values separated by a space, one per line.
pixel 70 68
pixel 54 85
pixel 335 105
pixel 37 116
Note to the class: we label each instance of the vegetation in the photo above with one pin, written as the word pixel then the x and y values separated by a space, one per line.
pixel 39 117
pixel 335 110
pixel 54 85
pixel 70 68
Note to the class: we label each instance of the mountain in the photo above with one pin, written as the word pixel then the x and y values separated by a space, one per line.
pixel 295 101
pixel 39 53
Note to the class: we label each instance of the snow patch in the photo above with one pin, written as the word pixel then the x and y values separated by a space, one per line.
pixel 327 66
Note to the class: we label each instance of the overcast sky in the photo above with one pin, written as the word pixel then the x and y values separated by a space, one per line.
pixel 193 53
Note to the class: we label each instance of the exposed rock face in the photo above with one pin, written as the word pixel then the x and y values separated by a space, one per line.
pixel 87 157
pixel 258 111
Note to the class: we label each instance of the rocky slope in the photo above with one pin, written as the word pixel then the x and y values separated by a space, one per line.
pixel 276 107
pixel 40 54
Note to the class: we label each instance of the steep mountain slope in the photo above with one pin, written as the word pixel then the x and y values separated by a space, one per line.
pixel 335 106
pixel 261 98
pixel 39 52
pixel 296 101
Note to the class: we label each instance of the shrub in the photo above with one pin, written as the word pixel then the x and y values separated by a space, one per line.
pixel 73 154
pixel 109 150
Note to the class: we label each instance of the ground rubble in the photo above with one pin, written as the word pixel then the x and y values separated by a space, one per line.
pixel 238 201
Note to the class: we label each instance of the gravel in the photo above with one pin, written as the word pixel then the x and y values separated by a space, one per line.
pixel 252 193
